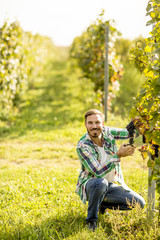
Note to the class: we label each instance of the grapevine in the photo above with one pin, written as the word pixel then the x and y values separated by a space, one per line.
pixel 22 56
pixel 147 107
pixel 89 51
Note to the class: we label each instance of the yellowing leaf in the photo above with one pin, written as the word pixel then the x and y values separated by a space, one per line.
pixel 145 70
pixel 149 74
pixel 144 154
pixel 148 49
pixel 152 14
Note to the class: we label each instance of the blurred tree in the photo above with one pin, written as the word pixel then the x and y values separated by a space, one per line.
pixel 22 57
pixel 132 79
pixel 123 47
pixel 89 51
pixel 130 85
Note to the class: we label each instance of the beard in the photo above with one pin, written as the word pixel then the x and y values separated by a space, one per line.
pixel 95 132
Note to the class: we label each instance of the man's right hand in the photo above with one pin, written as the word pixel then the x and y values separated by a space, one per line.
pixel 125 150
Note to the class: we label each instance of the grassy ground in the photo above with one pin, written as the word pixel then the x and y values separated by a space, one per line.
pixel 39 166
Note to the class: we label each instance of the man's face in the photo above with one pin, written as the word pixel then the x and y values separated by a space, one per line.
pixel 94 125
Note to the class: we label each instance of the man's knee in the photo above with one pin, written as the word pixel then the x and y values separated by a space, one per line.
pixel 98 185
pixel 101 185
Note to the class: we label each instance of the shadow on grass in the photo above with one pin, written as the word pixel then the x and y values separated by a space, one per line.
pixel 60 227
pixel 51 228
pixel 49 105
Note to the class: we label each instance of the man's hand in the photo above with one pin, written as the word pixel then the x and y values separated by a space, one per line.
pixel 125 150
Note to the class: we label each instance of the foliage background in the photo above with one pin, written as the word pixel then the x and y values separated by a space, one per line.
pixel 147 107
pixel 22 57
pixel 89 51
pixel 44 95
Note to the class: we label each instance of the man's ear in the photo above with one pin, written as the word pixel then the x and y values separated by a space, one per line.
pixel 103 123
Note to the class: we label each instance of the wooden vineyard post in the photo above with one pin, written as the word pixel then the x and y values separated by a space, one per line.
pixel 151 197
pixel 106 72
pixel 151 186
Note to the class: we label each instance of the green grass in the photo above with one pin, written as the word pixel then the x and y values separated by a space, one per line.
pixel 39 166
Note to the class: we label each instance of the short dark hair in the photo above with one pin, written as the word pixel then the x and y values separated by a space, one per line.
pixel 93 111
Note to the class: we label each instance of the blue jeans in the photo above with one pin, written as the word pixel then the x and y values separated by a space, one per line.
pixel 109 195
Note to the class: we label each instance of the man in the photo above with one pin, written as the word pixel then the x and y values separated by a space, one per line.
pixel 100 169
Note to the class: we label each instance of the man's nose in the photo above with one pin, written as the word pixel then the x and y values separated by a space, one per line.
pixel 94 125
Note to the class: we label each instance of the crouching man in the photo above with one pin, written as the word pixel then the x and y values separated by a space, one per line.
pixel 101 170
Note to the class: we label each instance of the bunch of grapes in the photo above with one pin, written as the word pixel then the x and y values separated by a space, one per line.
pixel 131 130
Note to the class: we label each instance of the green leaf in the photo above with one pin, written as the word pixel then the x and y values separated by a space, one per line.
pixel 133 113
pixel 149 6
pixel 143 91
pixel 158 80
pixel 149 22
pixel 150 163
pixel 157 168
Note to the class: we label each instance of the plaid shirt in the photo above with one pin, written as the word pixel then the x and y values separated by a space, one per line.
pixel 90 159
